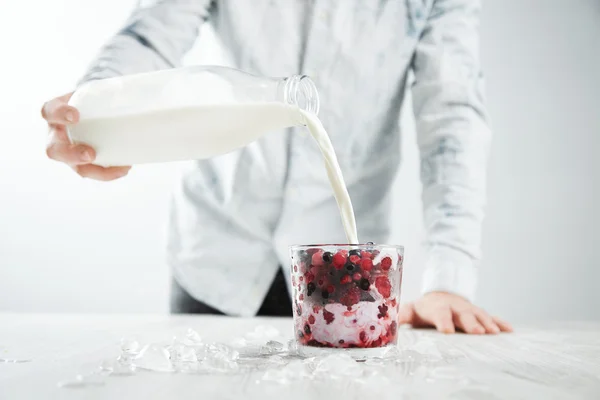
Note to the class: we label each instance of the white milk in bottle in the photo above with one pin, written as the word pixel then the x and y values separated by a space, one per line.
pixel 196 113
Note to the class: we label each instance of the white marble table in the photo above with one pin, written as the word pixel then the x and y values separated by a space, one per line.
pixel 550 362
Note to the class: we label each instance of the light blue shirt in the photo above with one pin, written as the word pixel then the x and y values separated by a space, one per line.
pixel 233 217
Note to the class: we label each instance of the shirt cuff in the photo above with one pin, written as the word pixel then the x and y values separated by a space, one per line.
pixel 449 270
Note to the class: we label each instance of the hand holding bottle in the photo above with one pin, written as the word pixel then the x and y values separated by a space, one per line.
pixel 58 114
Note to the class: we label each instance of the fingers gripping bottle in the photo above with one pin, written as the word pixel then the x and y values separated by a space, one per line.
pixel 185 113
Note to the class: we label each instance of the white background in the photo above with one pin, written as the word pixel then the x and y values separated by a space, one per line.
pixel 74 245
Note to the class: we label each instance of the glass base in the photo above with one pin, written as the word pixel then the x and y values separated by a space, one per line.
pixel 356 353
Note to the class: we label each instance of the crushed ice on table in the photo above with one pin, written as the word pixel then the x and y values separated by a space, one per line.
pixel 338 366
pixel 272 347
pixel 259 351
pixel 154 357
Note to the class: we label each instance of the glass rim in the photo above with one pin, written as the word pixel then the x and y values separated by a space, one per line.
pixel 359 245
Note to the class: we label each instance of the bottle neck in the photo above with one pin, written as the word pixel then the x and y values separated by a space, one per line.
pixel 299 91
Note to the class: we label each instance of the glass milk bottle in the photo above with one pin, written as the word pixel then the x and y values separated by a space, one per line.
pixel 185 113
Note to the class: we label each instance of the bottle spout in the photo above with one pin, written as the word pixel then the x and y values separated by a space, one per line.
pixel 300 91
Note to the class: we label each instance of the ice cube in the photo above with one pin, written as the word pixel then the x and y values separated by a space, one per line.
pixel 295 370
pixel 154 358
pixel 193 336
pixel 271 347
pixel 200 350
pixel 337 365
pixel 122 369
pixel 183 358
pixel 292 347
pixel 129 345
pixel 221 357
pixel 392 353
pixel 247 348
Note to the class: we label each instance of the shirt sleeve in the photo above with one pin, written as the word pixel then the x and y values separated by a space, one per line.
pixel 453 137
pixel 156 36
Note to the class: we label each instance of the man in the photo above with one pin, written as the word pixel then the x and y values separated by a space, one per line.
pixel 233 217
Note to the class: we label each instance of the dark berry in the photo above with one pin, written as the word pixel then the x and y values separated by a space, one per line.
pixel 364 284
pixel 307 329
pixel 310 288
pixel 325 294
pixel 372 327
pixel 327 257
pixel 341 341
pixel 382 311
pixel 349 267
pixel 362 336
pixel 354 252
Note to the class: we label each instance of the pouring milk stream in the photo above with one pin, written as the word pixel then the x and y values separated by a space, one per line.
pixel 199 112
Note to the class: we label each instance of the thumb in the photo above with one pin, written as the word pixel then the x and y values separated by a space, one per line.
pixel 442 319
pixel 406 314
